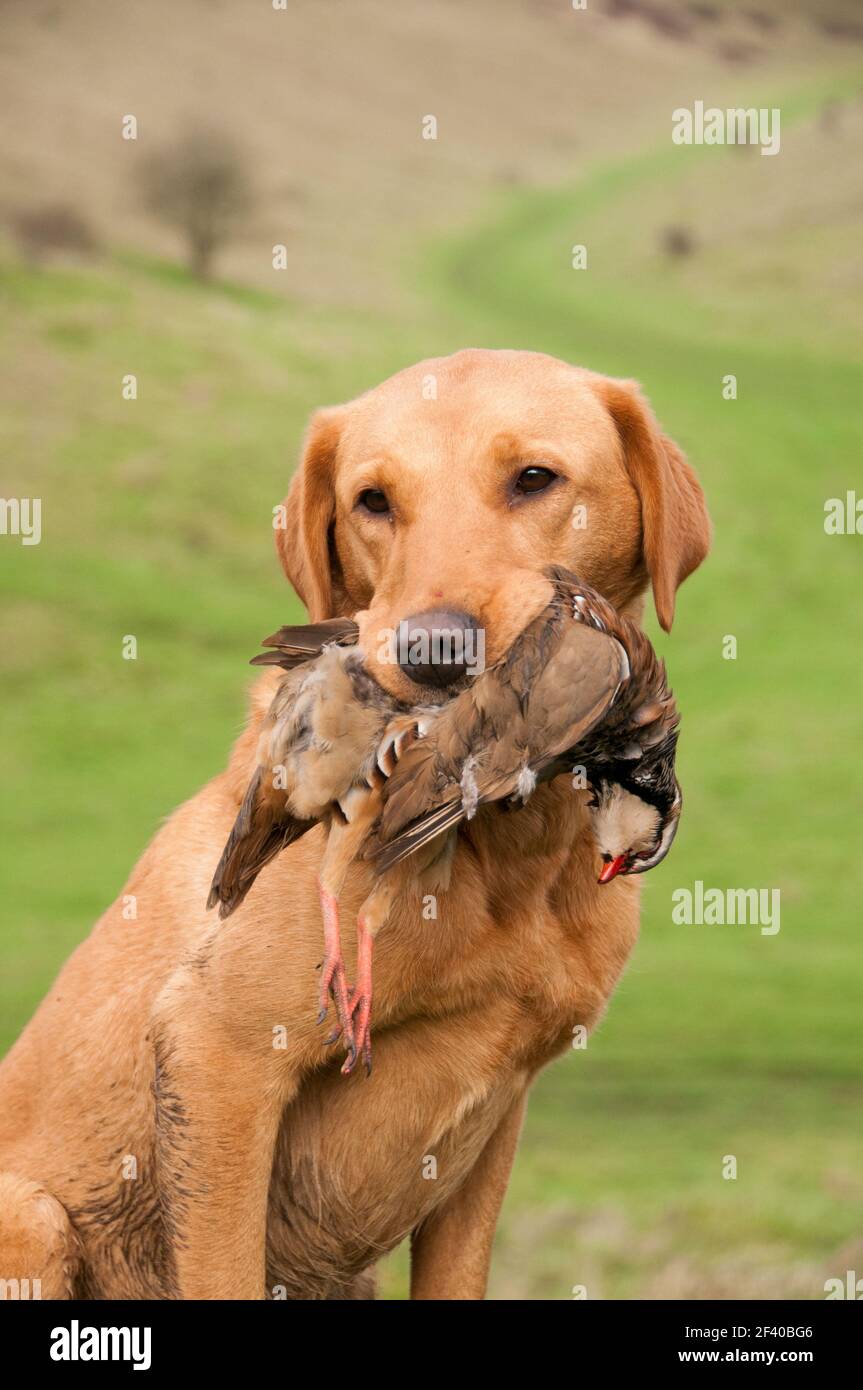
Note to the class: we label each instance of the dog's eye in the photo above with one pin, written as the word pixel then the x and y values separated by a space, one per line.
pixel 534 479
pixel 373 500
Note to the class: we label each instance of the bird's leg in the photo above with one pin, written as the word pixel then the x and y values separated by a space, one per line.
pixel 371 918
pixel 333 978
pixel 343 845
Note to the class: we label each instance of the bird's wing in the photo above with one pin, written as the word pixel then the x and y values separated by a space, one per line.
pixel 262 829
pixel 573 691
pixel 293 645
pixel 520 716
pixel 428 771
pixel 267 822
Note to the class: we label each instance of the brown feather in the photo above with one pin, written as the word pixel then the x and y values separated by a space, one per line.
pixel 321 733
pixel 262 829
pixel 313 637
pixel 287 660
pixel 295 644
pixel 420 833
pixel 556 683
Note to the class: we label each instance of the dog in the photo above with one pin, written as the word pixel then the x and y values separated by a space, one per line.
pixel 171 1123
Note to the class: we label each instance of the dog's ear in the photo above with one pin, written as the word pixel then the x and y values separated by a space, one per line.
pixel 674 522
pixel 304 539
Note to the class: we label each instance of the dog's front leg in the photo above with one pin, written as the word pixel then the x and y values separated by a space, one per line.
pixel 220 1089
pixel 451 1250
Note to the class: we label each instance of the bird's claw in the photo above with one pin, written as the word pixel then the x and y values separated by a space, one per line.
pixel 362 1039
pixel 360 1004
pixel 334 984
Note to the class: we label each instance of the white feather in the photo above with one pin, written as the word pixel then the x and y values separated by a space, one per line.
pixel 526 783
pixel 469 789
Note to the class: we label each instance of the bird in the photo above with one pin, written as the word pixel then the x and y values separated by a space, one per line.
pixel 327 739
pixel 579 690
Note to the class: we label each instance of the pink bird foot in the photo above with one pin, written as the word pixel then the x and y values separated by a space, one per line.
pixel 334 981
pixel 360 1004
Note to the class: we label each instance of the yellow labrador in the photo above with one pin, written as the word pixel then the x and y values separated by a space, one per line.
pixel 171 1124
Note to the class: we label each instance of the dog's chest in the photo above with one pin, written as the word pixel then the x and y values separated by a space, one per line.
pixel 469 1006
pixel 361 1162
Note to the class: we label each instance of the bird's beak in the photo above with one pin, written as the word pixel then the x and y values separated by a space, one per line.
pixel 613 868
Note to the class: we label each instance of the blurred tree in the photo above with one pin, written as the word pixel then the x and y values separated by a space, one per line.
pixel 199 185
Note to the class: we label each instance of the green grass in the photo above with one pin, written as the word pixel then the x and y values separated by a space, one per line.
pixel 155 522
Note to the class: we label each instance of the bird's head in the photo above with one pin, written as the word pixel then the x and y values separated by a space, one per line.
pixel 632 833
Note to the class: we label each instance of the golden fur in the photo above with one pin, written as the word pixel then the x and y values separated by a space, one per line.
pixel 191 1047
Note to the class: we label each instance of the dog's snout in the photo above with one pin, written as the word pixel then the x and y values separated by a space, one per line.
pixel 438 646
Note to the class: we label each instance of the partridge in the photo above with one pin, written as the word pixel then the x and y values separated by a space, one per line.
pixel 581 689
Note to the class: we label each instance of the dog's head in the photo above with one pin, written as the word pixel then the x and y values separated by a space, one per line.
pixel 435 501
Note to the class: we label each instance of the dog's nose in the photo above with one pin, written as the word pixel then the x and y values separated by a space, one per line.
pixel 438 646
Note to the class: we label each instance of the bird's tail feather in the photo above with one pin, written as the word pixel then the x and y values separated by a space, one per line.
pixel 283 657
pixel 256 838
pixel 296 643
pixel 414 836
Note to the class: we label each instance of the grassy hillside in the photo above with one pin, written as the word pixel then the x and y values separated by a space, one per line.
pixel 327 99
pixel 156 517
